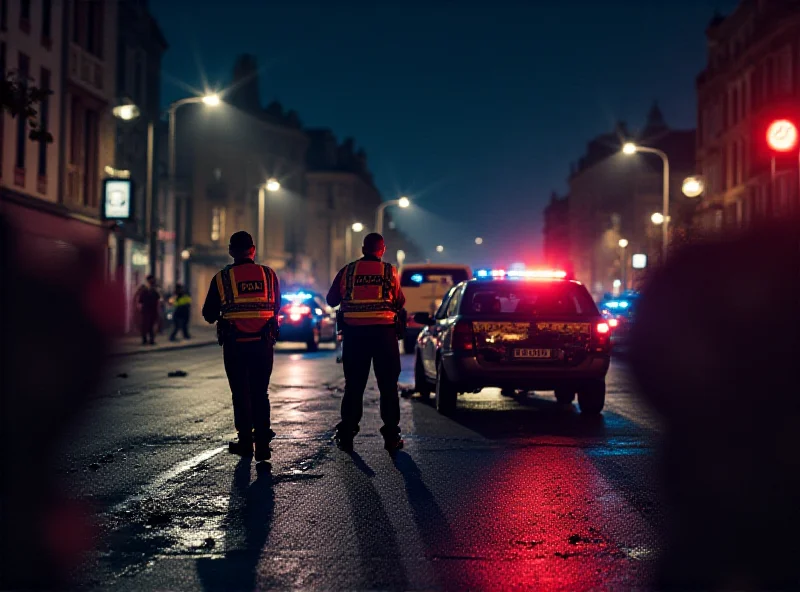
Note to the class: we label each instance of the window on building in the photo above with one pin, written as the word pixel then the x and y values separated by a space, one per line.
pixel 768 73
pixel 3 15
pixel 25 15
pixel 22 123
pixel 783 74
pixel 138 78
pixel 44 120
pixel 47 23
pixel 217 224
pixel 739 163
pixel 90 156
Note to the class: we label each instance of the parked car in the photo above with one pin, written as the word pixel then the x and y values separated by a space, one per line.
pixel 307 318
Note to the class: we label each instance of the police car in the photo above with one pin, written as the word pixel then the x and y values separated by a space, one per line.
pixel 619 312
pixel 307 318
pixel 527 330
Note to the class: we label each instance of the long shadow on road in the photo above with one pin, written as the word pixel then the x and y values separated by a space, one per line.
pixel 247 526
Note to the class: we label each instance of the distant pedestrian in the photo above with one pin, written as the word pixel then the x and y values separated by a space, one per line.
pixel 244 300
pixel 149 302
pixel 182 304
pixel 371 300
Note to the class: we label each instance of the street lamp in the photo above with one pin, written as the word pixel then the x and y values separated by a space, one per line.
pixel 693 186
pixel 657 218
pixel 272 185
pixel 210 100
pixel 479 241
pixel 782 136
pixel 623 244
pixel 439 249
pixel 348 239
pixel 129 112
pixel 403 202
pixel 630 148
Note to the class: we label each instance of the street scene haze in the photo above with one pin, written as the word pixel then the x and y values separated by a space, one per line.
pixel 383 295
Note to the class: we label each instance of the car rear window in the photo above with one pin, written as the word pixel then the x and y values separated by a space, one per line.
pixel 527 299
pixel 412 278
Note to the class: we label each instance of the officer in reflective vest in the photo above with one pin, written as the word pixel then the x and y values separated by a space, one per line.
pixel 244 300
pixel 369 293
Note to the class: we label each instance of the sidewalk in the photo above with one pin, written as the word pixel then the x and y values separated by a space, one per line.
pixel 202 335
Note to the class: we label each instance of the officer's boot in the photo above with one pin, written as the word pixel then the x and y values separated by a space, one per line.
pixel 243 445
pixel 263 448
pixel 391 439
pixel 344 438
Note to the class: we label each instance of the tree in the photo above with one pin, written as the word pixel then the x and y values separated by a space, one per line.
pixel 22 99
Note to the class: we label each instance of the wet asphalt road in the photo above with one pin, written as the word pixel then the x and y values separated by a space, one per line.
pixel 509 493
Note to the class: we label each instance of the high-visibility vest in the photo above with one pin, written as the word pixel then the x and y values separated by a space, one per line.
pixel 184 300
pixel 247 296
pixel 368 293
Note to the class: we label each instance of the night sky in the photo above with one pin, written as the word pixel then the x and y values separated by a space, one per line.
pixel 475 110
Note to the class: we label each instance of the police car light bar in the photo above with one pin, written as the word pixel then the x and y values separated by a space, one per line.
pixel 297 296
pixel 522 273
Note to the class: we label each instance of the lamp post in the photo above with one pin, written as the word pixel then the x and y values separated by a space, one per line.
pixel 271 185
pixel 210 100
pixel 348 239
pixel 403 202
pixel 630 148
pixel 129 112
pixel 623 244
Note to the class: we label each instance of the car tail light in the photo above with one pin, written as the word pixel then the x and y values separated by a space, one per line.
pixel 613 323
pixel 298 312
pixel 600 336
pixel 603 328
pixel 463 337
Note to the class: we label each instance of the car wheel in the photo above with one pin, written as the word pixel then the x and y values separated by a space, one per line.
pixel 508 392
pixel 592 398
pixel 313 342
pixel 421 384
pixel 565 396
pixel 446 392
pixel 408 344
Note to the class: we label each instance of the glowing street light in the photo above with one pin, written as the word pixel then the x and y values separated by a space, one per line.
pixel 623 242
pixel 657 218
pixel 126 112
pixel 403 202
pixel 357 227
pixel 439 249
pixel 185 254
pixel 479 241
pixel 348 238
pixel 631 148
pixel 212 100
pixel 273 185
pixel 693 186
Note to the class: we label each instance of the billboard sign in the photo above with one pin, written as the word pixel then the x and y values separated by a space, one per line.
pixel 117 199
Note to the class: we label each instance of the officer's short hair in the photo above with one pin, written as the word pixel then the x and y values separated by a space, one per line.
pixel 373 242
pixel 241 241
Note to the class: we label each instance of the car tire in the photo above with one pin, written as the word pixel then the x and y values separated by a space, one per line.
pixel 421 384
pixel 409 344
pixel 446 392
pixel 592 398
pixel 565 396
pixel 508 392
pixel 312 344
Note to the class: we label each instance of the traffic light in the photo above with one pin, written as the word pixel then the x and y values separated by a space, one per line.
pixel 782 135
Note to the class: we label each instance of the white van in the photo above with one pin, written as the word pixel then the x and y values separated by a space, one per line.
pixel 424 285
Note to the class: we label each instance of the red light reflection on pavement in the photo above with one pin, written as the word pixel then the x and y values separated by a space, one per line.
pixel 549 521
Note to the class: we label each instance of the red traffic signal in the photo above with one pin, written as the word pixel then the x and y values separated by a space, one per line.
pixel 782 135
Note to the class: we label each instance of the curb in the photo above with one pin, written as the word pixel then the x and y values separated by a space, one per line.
pixel 164 349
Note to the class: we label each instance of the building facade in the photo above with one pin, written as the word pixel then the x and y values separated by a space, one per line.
pixel 140 48
pixel 752 77
pixel 341 192
pixel 52 191
pixel 556 232
pixel 225 155
pixel 613 196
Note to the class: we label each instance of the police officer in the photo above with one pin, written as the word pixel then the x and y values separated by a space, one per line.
pixel 369 293
pixel 244 300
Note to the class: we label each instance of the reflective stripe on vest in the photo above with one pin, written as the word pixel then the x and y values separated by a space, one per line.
pixel 367 293
pixel 247 296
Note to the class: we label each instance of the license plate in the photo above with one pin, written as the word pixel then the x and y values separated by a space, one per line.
pixel 532 354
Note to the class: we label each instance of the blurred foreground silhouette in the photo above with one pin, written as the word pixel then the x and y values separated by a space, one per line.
pixel 715 349
pixel 58 316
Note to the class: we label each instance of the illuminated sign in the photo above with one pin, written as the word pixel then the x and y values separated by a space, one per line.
pixel 639 261
pixel 117 198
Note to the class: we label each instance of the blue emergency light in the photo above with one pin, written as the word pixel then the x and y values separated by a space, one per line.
pixel 417 278
pixel 521 274
pixel 297 296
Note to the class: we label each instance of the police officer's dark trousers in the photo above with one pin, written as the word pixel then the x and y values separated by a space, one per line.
pixel 248 365
pixel 363 346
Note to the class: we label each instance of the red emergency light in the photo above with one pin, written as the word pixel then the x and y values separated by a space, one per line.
pixel 782 135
